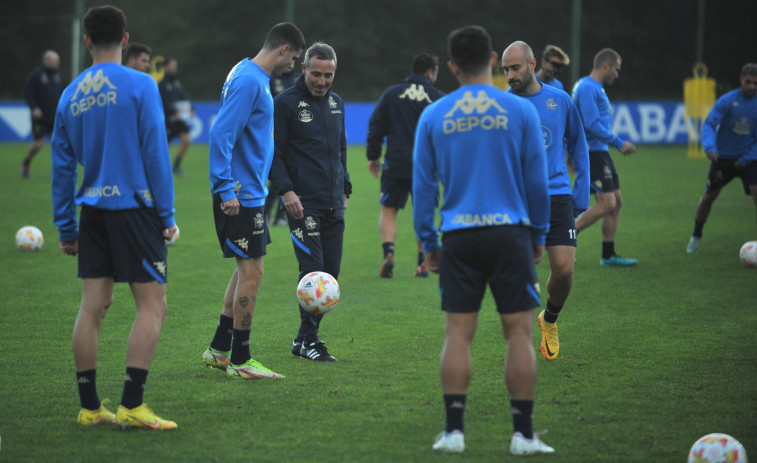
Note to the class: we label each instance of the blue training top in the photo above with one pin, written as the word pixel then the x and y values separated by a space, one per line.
pixel 110 121
pixel 562 131
pixel 596 114
pixel 731 128
pixel 486 148
pixel 241 139
pixel 555 83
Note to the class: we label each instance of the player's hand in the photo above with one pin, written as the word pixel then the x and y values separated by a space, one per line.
pixel 168 233
pixel 432 260
pixel 293 205
pixel 627 148
pixel 346 200
pixel 538 252
pixel 230 207
pixel 374 166
pixel 712 156
pixel 70 248
pixel 37 113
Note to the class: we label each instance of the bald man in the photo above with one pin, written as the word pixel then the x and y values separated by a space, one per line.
pixel 42 92
pixel 563 132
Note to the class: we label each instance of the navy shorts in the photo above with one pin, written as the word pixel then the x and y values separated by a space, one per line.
pixel 41 128
pixel 244 235
pixel 175 128
pixel 395 191
pixel 501 257
pixel 603 176
pixel 126 245
pixel 723 171
pixel 562 225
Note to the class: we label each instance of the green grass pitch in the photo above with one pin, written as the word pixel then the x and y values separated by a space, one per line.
pixel 652 357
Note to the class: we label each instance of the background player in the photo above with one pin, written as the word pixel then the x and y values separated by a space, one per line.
pixel 563 132
pixel 729 138
pixel 594 107
pixel 178 111
pixel 486 149
pixel 138 56
pixel 395 118
pixel 126 200
pixel 553 61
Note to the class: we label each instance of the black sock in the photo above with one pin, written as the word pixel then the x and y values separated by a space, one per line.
pixel 88 389
pixel 608 249
pixel 522 410
pixel 240 347
pixel 421 258
pixel 551 312
pixel 388 248
pixel 454 404
pixel 222 339
pixel 134 387
pixel 698 226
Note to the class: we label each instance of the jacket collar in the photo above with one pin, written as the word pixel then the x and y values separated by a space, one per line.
pixel 418 79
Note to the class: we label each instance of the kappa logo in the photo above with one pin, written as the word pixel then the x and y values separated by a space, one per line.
pixel 237 186
pixel 332 103
pixel 302 104
pixel 92 84
pixel 298 233
pixel 242 243
pixel 551 105
pixel 305 116
pixel 83 380
pixel 147 195
pixel 258 220
pixel 481 104
pixel 415 93
pixel 160 267
pixel 598 184
pixel 310 223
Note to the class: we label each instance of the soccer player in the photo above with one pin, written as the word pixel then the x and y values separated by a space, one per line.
pixel 310 172
pixel 553 61
pixel 395 118
pixel 486 149
pixel 178 110
pixel 729 138
pixel 109 121
pixel 138 56
pixel 594 107
pixel 241 152
pixel 562 131
pixel 42 92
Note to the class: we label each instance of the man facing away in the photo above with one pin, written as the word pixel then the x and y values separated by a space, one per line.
pixel 42 92
pixel 310 173
pixel 241 152
pixel 563 132
pixel 109 121
pixel 594 107
pixel 178 111
pixel 729 138
pixel 486 149
pixel 395 118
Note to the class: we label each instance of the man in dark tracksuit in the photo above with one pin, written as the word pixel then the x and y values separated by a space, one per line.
pixel 395 118
pixel 309 171
pixel 42 92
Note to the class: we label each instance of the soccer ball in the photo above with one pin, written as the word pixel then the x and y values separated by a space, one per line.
pixel 717 448
pixel 748 254
pixel 173 239
pixel 318 292
pixel 29 238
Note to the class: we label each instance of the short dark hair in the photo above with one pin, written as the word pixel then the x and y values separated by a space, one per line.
pixel 320 50
pixel 606 55
pixel 284 34
pixel 105 25
pixel 470 48
pixel 135 49
pixel 423 62
pixel 749 69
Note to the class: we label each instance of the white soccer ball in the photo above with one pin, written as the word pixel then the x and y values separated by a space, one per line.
pixel 29 238
pixel 748 254
pixel 318 292
pixel 174 238
pixel 717 448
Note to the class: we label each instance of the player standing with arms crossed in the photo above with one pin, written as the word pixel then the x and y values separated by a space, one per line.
pixel 563 131
pixel 486 149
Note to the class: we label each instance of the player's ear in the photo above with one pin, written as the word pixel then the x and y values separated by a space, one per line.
pixel 125 40
pixel 283 50
pixel 493 60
